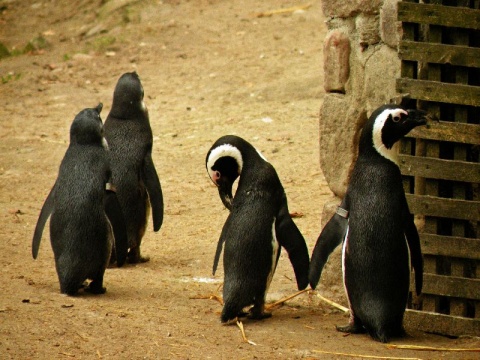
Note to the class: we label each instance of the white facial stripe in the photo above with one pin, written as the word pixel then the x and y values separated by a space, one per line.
pixel 390 154
pixel 222 151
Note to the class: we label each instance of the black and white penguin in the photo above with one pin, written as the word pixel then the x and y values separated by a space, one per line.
pixel 130 139
pixel 380 240
pixel 258 224
pixel 85 213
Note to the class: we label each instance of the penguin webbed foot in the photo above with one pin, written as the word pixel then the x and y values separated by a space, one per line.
pixel 96 287
pixel 134 256
pixel 258 313
pixel 351 328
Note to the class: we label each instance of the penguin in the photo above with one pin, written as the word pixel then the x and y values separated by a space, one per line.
pixel 257 226
pixel 130 139
pixel 85 215
pixel 380 240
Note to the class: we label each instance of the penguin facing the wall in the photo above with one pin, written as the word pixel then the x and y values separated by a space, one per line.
pixel 380 240
pixel 258 224
pixel 130 139
pixel 85 213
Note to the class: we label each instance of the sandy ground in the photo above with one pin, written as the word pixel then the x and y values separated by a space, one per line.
pixel 209 68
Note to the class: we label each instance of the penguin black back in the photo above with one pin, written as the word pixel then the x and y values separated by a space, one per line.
pixel 258 223
pixel 130 139
pixel 82 210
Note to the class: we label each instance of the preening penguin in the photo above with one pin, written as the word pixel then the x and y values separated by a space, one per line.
pixel 258 224
pixel 85 213
pixel 380 240
pixel 130 139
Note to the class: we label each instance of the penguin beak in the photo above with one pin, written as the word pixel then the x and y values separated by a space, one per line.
pixel 225 191
pixel 417 117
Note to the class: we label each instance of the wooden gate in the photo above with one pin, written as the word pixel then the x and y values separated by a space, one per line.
pixel 440 53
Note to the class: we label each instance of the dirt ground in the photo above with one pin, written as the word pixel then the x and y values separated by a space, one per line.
pixel 209 68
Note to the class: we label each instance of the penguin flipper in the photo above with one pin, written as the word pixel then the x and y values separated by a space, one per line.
pixel 221 240
pixel 114 213
pixel 45 213
pixel 289 237
pixel 331 236
pixel 154 190
pixel 413 241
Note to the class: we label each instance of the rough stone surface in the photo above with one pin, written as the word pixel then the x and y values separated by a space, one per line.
pixel 342 8
pixel 367 29
pixel 336 65
pixel 339 129
pixel 390 28
pixel 381 71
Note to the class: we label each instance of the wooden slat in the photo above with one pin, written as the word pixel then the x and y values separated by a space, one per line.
pixel 448 131
pixel 443 207
pixel 441 324
pixel 439 53
pixel 439 15
pixel 452 246
pixel 439 91
pixel 451 286
pixel 433 168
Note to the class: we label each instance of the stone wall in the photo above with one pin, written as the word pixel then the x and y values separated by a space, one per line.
pixel 360 68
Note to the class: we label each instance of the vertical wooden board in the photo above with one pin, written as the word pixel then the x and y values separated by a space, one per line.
pixel 432 149
pixel 458 307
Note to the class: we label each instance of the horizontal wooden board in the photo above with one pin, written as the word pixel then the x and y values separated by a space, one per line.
pixel 448 131
pixel 439 15
pixel 439 53
pixel 443 207
pixel 451 286
pixel 433 168
pixel 452 246
pixel 439 91
pixel 441 324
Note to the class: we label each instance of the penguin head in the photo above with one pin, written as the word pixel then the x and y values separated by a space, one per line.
pixel 387 125
pixel 224 165
pixel 87 128
pixel 128 96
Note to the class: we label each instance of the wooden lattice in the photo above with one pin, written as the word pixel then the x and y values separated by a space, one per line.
pixel 440 53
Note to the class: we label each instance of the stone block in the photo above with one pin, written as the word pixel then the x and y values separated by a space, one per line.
pixel 343 9
pixel 390 28
pixel 336 64
pixel 341 118
pixel 381 71
pixel 367 27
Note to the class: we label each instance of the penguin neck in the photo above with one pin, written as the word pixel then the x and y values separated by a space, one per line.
pixel 130 110
pixel 389 154
pixel 380 147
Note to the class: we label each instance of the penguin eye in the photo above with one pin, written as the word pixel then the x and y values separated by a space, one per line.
pixel 396 118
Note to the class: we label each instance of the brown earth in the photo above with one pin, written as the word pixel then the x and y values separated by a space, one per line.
pixel 208 68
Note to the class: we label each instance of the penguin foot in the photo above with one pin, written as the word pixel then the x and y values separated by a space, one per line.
pixel 258 315
pixel 134 257
pixel 95 288
pixel 351 328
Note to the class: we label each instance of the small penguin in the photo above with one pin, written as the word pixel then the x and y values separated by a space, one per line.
pixel 380 240
pixel 130 140
pixel 85 213
pixel 258 224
